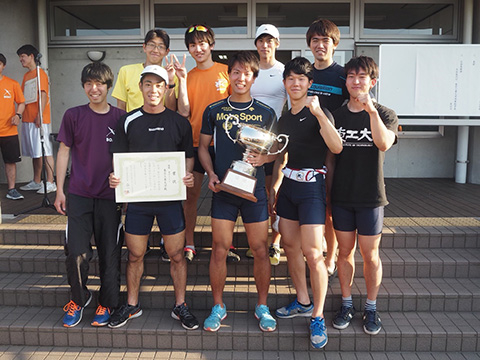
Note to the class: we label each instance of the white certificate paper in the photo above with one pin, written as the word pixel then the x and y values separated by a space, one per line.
pixel 150 176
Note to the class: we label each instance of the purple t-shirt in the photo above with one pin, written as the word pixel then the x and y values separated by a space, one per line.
pixel 88 135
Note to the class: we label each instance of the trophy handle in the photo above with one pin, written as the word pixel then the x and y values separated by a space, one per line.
pixel 279 139
pixel 234 122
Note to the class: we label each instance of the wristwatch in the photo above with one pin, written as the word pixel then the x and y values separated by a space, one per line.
pixel 19 116
pixel 170 86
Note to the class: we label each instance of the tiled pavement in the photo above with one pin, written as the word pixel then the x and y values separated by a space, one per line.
pixel 429 299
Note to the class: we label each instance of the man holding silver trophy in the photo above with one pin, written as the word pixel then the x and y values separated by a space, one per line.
pixel 300 201
pixel 243 185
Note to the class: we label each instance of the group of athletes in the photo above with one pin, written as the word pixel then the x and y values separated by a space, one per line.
pixel 331 168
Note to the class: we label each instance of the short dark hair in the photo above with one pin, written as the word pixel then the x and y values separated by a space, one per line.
pixel 3 59
pixel 28 50
pixel 323 27
pixel 193 34
pixel 97 71
pixel 245 58
pixel 299 66
pixel 162 34
pixel 362 63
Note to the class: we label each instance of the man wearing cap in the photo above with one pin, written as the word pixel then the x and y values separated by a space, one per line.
pixel 268 88
pixel 154 128
pixel 10 94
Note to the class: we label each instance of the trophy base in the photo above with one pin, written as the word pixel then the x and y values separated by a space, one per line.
pixel 238 184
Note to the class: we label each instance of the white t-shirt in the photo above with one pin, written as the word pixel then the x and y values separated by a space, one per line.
pixel 268 88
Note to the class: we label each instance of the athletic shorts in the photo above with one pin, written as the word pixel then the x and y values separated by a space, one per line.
pixel 366 220
pixel 268 168
pixel 170 218
pixel 225 206
pixel 31 143
pixel 10 147
pixel 304 202
pixel 197 165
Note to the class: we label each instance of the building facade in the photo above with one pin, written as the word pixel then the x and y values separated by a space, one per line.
pixel 66 30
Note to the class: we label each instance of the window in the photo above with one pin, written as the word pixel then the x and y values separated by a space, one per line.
pixel 410 19
pixel 225 18
pixel 295 18
pixel 88 19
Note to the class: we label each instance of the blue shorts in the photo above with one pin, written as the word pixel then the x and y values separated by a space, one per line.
pixel 197 165
pixel 170 218
pixel 304 202
pixel 225 206
pixel 366 220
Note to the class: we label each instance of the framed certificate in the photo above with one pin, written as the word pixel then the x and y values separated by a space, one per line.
pixel 150 176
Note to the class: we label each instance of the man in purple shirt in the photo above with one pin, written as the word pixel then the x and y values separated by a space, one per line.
pixel 86 133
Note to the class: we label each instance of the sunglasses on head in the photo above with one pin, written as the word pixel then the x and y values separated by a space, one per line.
pixel 197 28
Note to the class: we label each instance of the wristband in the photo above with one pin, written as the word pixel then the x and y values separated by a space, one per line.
pixel 170 86
pixel 19 116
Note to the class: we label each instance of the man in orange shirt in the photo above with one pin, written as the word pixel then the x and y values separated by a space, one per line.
pixel 10 94
pixel 206 83
pixel 31 142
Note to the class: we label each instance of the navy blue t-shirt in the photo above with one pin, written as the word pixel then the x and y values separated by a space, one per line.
pixel 329 86
pixel 226 151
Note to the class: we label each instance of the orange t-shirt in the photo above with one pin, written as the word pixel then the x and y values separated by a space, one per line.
pixel 10 93
pixel 204 87
pixel 30 91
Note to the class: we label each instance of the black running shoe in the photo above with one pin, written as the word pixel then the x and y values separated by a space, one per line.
pixel 232 255
pixel 182 313
pixel 371 322
pixel 121 315
pixel 343 317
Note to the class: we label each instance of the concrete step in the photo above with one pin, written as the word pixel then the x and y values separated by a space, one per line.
pixel 435 294
pixel 397 263
pixel 155 329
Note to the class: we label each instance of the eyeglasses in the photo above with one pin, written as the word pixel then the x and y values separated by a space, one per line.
pixel 197 28
pixel 153 46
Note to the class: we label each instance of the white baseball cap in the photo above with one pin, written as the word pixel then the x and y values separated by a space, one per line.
pixel 155 70
pixel 267 29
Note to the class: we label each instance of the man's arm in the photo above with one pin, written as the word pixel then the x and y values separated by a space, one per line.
pixel 61 170
pixel 383 138
pixel 277 177
pixel 181 72
pixel 43 104
pixel 188 180
pixel 206 161
pixel 20 110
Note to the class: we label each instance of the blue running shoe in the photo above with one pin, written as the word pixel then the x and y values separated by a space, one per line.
pixel 102 316
pixel 213 322
pixel 74 312
pixel 267 322
pixel 318 332
pixel 371 322
pixel 294 309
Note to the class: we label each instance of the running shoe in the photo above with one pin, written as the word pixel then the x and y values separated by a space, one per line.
pixel 232 255
pixel 182 313
pixel 102 316
pixel 274 254
pixel 51 187
pixel 371 322
pixel 214 320
pixel 266 321
pixel 190 254
pixel 123 314
pixel 32 185
pixel 294 309
pixel 318 332
pixel 249 253
pixel 74 312
pixel 13 194
pixel 343 317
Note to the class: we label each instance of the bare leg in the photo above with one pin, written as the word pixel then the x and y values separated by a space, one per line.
pixel 296 263
pixel 346 261
pixel 190 207
pixel 37 168
pixel 222 236
pixel 372 265
pixel 178 264
pixel 137 245
pixel 312 240
pixel 257 234
pixel 11 173
pixel 332 243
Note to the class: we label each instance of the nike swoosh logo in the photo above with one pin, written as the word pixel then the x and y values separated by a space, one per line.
pixel 303 119
pixel 272 75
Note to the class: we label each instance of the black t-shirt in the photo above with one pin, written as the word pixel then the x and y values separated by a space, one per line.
pixel 358 179
pixel 329 86
pixel 226 151
pixel 306 147
pixel 139 131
